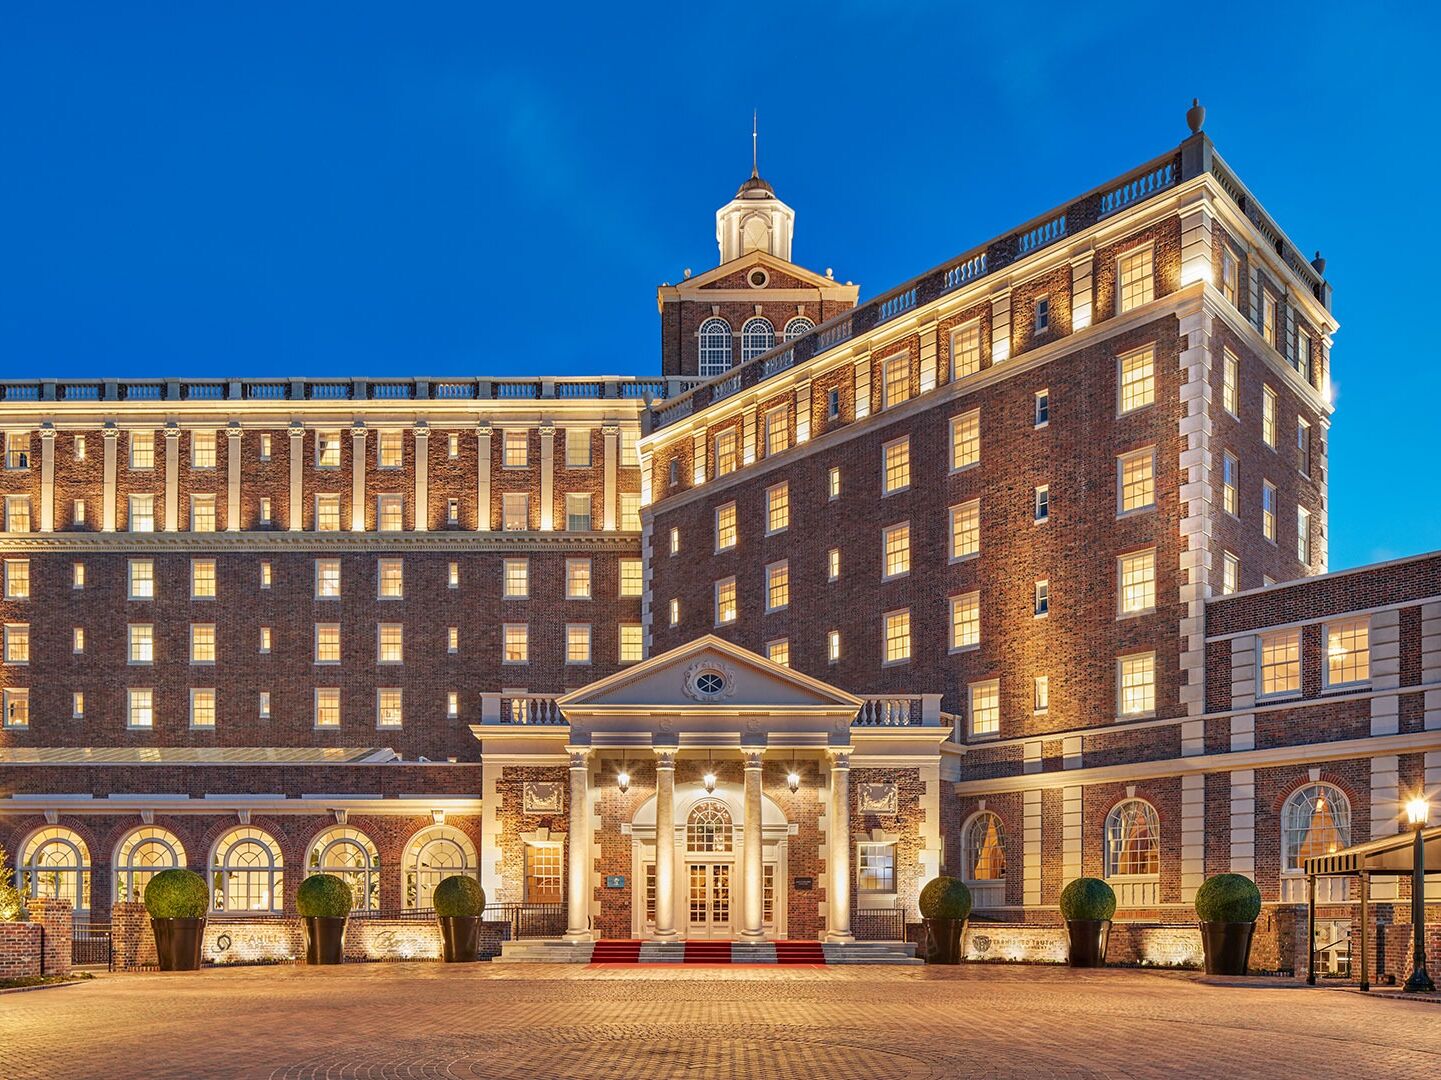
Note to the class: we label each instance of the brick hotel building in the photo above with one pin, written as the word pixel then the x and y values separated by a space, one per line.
pixel 1016 571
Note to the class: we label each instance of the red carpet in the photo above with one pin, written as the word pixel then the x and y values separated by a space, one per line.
pixel 800 952
pixel 616 952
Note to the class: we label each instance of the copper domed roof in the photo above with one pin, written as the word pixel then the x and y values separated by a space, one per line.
pixel 755 188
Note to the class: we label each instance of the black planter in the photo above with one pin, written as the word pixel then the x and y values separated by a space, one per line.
pixel 1088 942
pixel 1228 946
pixel 943 940
pixel 324 939
pixel 460 938
pixel 178 942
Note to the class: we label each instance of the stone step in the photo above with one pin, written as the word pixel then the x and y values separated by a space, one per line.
pixel 554 951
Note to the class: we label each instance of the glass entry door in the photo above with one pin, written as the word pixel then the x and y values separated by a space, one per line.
pixel 708 893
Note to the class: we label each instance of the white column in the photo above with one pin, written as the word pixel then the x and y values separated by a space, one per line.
pixel 611 432
pixel 1243 822
pixel 1072 825
pixel 1031 847
pixel 1193 835
pixel 172 478
pixel 578 846
pixel 547 476
pixel 753 888
pixel 839 847
pixel 357 477
pixel 665 844
pixel 107 500
pixel 482 478
pixel 422 476
pixel 232 469
pixel 47 478
pixel 297 477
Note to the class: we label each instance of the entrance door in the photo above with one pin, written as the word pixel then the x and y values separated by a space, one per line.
pixel 708 894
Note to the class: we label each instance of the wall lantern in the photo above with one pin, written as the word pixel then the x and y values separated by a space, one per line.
pixel 793 778
pixel 622 779
pixel 708 782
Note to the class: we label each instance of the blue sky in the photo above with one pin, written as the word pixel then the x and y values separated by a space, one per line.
pixel 454 189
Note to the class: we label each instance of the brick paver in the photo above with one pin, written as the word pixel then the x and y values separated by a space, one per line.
pixel 534 1022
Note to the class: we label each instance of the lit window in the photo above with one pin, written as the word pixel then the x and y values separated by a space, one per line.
pixel 142 579
pixel 17 513
pixel 1042 599
pixel 327 513
pixel 17 643
pixel 77 575
pixel 17 707
pixel 78 511
pixel 725 601
pixel 725 452
pixel 778 586
pixel 1230 573
pixel 630 511
pixel 896 550
pixel 1280 662
pixel 77 705
pixel 390 643
pixel 1136 677
pixel 577 512
pixel 452 446
pixel 327 707
pixel 674 612
pixel 895 380
pixel 202 708
pixel 1043 314
pixel 897 636
pixel 1268 416
pixel 577 579
pixel 965 440
pixel 1231 383
pixel 202 578
pixel 896 467
pixel 142 450
pixel 516 638
pixel 674 541
pixel 1041 694
pixel 202 449
pixel 543 870
pixel 265 639
pixel 17 450
pixel 1230 275
pixel 77 640
pixel 1303 535
pixel 265 447
pixel 1348 651
pixel 1230 484
pixel 757 337
pixel 389 710
pixel 452 704
pixel 202 643
pixel 876 868
pixel 1316 820
pixel 1268 317
pixel 779 652
pixel 1133 840
pixel 833 564
pixel 452 575
pixel 577 448
pixel 1268 511
pixel 725 527
pixel 139 708
pixel 778 508
pixel 142 643
pixel 17 579
pixel 777 430
pixel 265 576
pixel 265 704
pixel 632 577
pixel 630 447
pixel 515 511
pixel 1136 581
pixel 1138 379
pixel 327 579
pixel 985 708
pixel 1302 361
pixel 965 621
pixel 833 483
pixel 833 646
pixel 265 511
pixel 1042 511
pixel 142 513
pixel 966 530
pixel 1136 278
pixel 390 577
pixel 966 350
pixel 79 447
pixel 577 643
pixel 515 448
pixel 390 512
pixel 715 347
pixel 1303 446
pixel 1136 474
pixel 1043 408
pixel 452 639
pixel 632 642
pixel 327 643
pixel 202 513
pixel 327 449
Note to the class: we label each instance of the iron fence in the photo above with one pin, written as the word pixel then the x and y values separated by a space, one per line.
pixel 879 924
pixel 91 946
pixel 529 920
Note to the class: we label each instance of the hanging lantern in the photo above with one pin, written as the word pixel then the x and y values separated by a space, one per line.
pixel 622 781
pixel 793 781
pixel 708 782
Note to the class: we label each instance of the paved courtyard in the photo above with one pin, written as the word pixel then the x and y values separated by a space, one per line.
pixel 534 1022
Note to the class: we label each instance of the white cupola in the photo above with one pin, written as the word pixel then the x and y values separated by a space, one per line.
pixel 755 220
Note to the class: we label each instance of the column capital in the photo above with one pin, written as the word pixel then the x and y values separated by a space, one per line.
pixel 610 428
pixel 232 428
pixel 547 429
pixel 358 430
pixel 752 757
pixel 47 430
pixel 840 756
pixel 579 756
pixel 665 759
pixel 484 428
pixel 109 430
pixel 422 429
pixel 297 427
pixel 172 429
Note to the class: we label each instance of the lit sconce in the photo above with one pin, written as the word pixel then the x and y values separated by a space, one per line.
pixel 708 782
pixel 622 781
pixel 1418 811
pixel 793 781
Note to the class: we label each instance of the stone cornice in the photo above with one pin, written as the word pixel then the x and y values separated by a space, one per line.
pixel 627 543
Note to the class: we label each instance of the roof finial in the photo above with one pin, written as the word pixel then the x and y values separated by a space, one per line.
pixel 755 148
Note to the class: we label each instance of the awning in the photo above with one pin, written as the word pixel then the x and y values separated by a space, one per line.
pixel 1388 855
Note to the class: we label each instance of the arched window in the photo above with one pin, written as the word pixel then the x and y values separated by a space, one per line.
pixel 55 865
pixel 247 872
pixel 1316 820
pixel 798 326
pixel 434 854
pixel 709 828
pixel 351 856
pixel 715 347
pixel 983 850
pixel 757 336
pixel 141 855
pixel 1133 840
pixel 756 233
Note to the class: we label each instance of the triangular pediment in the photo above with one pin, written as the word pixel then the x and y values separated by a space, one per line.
pixel 731 275
pixel 704 675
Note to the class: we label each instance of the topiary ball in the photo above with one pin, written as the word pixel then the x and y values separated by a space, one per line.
pixel 1228 898
pixel 458 895
pixel 945 898
pixel 324 896
pixel 177 894
pixel 1088 899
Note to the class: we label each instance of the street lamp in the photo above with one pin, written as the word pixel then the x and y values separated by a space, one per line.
pixel 1417 811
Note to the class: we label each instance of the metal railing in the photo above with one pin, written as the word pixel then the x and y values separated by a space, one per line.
pixel 92 946
pixel 879 924
pixel 529 920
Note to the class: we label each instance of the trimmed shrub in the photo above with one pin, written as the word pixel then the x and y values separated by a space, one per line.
pixel 324 896
pixel 945 898
pixel 177 894
pixel 459 895
pixel 1088 899
pixel 1228 898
